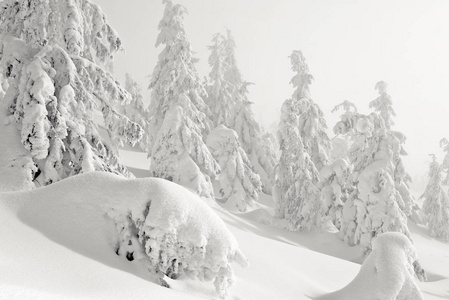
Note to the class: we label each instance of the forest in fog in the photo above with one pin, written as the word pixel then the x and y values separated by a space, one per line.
pixel 174 186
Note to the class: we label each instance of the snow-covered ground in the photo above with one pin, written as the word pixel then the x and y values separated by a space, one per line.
pixel 55 245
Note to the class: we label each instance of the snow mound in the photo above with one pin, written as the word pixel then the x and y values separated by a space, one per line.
pixel 387 273
pixel 163 226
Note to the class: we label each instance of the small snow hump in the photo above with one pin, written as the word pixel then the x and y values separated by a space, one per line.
pixel 387 273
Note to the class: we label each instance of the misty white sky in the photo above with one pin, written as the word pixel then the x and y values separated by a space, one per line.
pixel 349 46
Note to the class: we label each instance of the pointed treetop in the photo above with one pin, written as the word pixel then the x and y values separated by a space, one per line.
pixel 383 104
pixel 171 26
pixel 303 78
pixel 381 87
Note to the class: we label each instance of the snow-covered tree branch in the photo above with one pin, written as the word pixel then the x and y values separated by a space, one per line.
pixel 55 55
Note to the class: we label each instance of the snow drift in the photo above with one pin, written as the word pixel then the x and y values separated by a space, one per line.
pixel 163 226
pixel 387 273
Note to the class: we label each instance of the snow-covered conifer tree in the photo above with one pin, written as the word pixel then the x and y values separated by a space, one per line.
pixel 375 205
pixel 312 125
pixel 228 101
pixel 250 133
pixel 56 55
pixel 335 190
pixel 136 110
pixel 178 116
pixel 297 193
pixel 444 144
pixel 239 185
pixel 436 203
pixel 383 104
pixel 220 91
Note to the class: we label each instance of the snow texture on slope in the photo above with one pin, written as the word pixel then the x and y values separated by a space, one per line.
pixel 387 273
pixel 166 223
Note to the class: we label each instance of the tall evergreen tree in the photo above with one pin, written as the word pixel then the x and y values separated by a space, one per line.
pixel 383 106
pixel 228 101
pixel 312 125
pixel 136 110
pixel 250 133
pixel 375 205
pixel 220 91
pixel 56 56
pixel 239 185
pixel 436 203
pixel 444 144
pixel 178 116
pixel 297 193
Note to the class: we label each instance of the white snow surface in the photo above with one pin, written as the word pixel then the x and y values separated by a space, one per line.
pixel 59 245
pixel 387 272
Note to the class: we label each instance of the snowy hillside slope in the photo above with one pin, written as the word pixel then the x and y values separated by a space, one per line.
pixel 47 253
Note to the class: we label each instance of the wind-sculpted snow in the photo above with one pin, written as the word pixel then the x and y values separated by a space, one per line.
pixel 158 224
pixel 387 273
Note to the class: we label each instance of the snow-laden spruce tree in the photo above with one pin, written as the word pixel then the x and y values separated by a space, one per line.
pixel 297 193
pixel 383 105
pixel 312 125
pixel 220 91
pixel 178 116
pixel 375 205
pixel 136 110
pixel 436 203
pixel 250 133
pixel 239 185
pixel 228 102
pixel 444 144
pixel 56 55
pixel 335 190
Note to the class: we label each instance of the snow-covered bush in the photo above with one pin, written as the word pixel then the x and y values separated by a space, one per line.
pixel 55 55
pixel 174 232
pixel 436 203
pixel 389 272
pixel 239 185
pixel 178 116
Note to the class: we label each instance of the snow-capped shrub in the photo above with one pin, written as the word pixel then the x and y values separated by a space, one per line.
pixel 239 185
pixel 174 232
pixel 389 272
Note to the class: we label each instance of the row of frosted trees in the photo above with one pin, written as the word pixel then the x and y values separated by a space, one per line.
pixel 56 60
